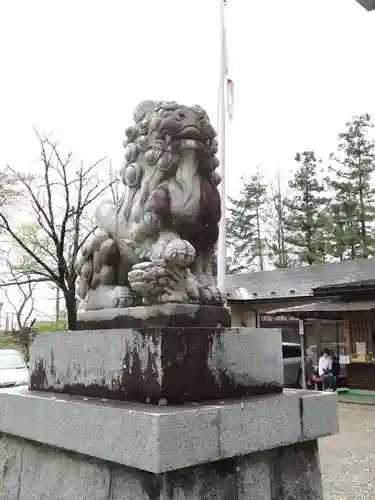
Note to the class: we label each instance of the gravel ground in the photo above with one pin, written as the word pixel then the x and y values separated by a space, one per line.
pixel 348 459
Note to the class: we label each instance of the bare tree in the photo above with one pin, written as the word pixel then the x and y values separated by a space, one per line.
pixel 58 203
pixel 6 189
pixel 23 306
pixel 114 184
pixel 2 193
pixel 23 303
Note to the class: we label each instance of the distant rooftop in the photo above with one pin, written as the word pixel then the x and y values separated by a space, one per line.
pixel 367 284
pixel 297 281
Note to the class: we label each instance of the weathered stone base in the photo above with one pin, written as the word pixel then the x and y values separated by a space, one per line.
pixel 159 365
pixel 159 439
pixel 186 315
pixel 29 470
pixel 261 448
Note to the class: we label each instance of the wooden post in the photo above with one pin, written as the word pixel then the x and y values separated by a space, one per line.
pixel 347 336
pixel 318 336
pixel 303 351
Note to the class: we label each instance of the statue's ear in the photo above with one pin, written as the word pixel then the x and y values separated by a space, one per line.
pixel 142 109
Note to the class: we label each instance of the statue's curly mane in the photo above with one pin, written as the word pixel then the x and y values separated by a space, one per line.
pixel 169 176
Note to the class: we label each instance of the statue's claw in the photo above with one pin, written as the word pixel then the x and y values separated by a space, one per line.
pixel 179 253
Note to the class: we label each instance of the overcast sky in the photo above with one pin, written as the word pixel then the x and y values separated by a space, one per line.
pixel 77 68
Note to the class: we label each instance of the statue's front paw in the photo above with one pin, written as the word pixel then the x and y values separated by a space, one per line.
pixel 107 297
pixel 124 297
pixel 179 253
pixel 142 278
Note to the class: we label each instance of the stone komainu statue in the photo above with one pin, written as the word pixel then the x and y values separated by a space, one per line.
pixel 157 244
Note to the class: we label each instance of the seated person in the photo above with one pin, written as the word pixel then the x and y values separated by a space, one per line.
pixel 325 371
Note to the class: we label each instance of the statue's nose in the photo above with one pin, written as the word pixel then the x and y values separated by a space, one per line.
pixel 182 119
pixel 189 117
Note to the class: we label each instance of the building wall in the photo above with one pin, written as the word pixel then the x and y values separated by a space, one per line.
pixel 321 333
pixel 242 315
pixel 247 314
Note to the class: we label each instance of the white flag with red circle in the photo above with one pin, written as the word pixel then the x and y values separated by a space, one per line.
pixel 229 90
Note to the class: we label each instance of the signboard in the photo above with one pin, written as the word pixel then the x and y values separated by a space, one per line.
pixel 361 348
pixel 344 360
pixel 267 317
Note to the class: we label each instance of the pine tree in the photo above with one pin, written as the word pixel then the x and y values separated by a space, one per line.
pixel 344 231
pixel 353 206
pixel 277 246
pixel 246 218
pixel 305 222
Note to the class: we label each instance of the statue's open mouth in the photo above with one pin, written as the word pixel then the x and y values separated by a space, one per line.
pixel 189 133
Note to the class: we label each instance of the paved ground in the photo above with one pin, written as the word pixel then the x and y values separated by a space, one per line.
pixel 348 459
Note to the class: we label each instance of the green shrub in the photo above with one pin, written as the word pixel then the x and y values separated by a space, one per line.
pixel 50 327
pixel 8 341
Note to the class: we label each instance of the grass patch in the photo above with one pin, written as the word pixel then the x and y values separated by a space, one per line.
pixel 7 341
pixel 355 397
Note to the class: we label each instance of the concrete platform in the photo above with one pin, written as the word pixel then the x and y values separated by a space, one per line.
pixel 152 365
pixel 159 439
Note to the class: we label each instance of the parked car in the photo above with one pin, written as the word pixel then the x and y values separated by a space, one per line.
pixel 13 369
pixel 293 365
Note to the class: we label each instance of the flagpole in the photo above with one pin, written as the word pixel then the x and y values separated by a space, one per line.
pixel 221 248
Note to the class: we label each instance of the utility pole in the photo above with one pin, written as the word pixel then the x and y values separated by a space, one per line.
pixel 303 351
pixel 222 243
pixel 57 307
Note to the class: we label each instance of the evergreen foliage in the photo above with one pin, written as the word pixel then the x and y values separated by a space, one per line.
pixel 322 218
pixel 306 222
pixel 352 211
pixel 245 225
pixel 278 250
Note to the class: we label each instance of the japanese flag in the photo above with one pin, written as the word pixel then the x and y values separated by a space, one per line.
pixel 229 90
pixel 230 98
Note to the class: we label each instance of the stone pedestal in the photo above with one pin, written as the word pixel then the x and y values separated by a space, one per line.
pixel 257 448
pixel 160 364
pixel 223 427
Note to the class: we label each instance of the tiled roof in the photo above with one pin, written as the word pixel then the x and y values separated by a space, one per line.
pixel 359 285
pixel 297 281
pixel 326 306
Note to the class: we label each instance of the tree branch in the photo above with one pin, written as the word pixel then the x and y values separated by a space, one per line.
pixel 47 164
pixel 59 204
pixel 5 225
pixel 37 206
